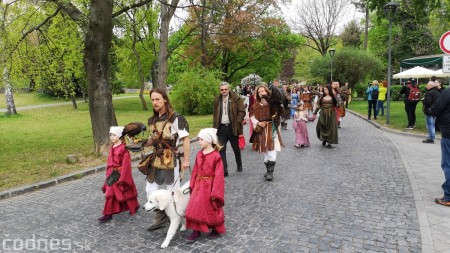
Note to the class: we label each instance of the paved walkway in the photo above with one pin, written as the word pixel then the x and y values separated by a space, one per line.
pixel 373 192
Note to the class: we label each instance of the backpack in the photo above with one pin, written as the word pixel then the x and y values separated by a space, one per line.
pixel 414 93
pixel 375 93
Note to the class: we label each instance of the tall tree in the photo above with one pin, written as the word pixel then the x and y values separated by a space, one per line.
pixel 233 35
pixel 5 47
pixel 140 27
pixel 166 14
pixel 317 21
pixel 97 26
pixel 362 5
pixel 351 35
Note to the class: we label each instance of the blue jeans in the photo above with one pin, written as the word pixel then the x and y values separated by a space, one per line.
pixel 380 106
pixel 445 165
pixel 431 122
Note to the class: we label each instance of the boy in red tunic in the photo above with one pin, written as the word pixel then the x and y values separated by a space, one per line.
pixel 205 208
pixel 121 196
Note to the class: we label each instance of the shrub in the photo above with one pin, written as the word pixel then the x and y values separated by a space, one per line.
pixel 360 90
pixel 194 92
pixel 349 65
pixel 395 92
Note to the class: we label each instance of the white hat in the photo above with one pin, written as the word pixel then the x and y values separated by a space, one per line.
pixel 116 130
pixel 209 135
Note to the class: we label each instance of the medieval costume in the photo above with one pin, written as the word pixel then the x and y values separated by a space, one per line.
pixel 294 102
pixel 121 196
pixel 207 181
pixel 267 139
pixel 166 132
pixel 306 98
pixel 301 131
pixel 326 128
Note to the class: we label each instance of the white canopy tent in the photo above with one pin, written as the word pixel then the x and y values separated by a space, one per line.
pixel 416 72
pixel 439 73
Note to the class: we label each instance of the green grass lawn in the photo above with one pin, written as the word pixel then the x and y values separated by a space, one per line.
pixel 38 98
pixel 35 142
pixel 398 118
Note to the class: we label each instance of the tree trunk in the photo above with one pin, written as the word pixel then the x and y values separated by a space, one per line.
pixel 163 55
pixel 74 102
pixel 96 62
pixel 204 29
pixel 141 73
pixel 366 29
pixel 154 73
pixel 10 105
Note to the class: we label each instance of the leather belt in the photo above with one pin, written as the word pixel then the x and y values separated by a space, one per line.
pixel 228 124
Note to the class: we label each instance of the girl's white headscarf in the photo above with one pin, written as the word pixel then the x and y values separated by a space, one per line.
pixel 116 130
pixel 209 135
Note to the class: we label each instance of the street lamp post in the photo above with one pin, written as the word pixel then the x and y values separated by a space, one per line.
pixel 331 51
pixel 389 10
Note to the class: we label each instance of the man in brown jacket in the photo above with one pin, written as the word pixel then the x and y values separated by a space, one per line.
pixel 228 115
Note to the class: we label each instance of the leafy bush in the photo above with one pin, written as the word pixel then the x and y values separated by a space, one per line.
pixel 395 93
pixel 349 65
pixel 360 90
pixel 194 92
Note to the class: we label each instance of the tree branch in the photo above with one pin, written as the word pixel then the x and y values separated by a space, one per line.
pixel 72 11
pixel 36 28
pixel 126 8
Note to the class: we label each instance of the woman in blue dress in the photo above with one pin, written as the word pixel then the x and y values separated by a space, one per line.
pixel 294 101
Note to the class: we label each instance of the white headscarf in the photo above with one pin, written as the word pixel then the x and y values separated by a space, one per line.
pixel 116 130
pixel 209 135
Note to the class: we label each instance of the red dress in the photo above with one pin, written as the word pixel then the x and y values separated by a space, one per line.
pixel 122 195
pixel 207 181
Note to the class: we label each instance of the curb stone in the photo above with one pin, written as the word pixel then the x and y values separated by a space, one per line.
pixel 390 130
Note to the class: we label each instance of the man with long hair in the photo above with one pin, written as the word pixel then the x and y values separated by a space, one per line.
pixel 168 130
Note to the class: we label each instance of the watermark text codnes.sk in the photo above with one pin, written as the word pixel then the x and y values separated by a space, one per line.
pixel 11 244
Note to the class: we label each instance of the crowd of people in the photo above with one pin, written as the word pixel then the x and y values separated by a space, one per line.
pixel 267 108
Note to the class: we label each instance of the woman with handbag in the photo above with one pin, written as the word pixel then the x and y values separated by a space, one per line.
pixel 119 188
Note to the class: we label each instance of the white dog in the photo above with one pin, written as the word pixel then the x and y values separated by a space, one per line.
pixel 174 205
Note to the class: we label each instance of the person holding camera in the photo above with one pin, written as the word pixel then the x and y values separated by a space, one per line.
pixel 372 98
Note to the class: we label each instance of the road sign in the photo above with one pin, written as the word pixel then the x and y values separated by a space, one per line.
pixel 444 42
pixel 446 64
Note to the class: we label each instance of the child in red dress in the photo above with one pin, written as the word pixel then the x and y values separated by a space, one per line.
pixel 120 196
pixel 205 208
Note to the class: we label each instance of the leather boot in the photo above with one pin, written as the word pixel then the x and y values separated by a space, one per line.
pixel 161 220
pixel 267 169
pixel 194 236
pixel 270 169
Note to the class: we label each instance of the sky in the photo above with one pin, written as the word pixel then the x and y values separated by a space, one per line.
pixel 288 11
pixel 350 14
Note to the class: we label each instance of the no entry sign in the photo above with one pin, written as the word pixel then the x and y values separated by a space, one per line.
pixel 444 42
